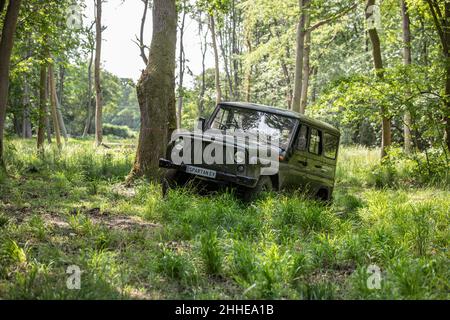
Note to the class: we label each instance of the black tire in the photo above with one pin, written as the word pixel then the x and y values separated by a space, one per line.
pixel 323 195
pixel 264 185
pixel 173 179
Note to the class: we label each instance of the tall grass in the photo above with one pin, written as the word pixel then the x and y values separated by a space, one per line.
pixel 215 246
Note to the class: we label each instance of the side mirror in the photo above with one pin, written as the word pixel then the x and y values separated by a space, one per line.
pixel 201 124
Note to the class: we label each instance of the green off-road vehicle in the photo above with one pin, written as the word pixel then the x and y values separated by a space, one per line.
pixel 255 148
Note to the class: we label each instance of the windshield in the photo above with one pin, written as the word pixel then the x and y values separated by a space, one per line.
pixel 255 122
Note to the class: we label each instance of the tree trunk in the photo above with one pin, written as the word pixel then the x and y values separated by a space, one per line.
pixel 6 46
pixel 53 104
pixel 182 62
pixel 26 122
pixel 407 58
pixel 98 88
pixel 306 67
pixel 42 108
pixel 235 48
pixel 156 92
pixel 204 48
pixel 87 126
pixel 378 62
pixel 216 59
pixel 301 33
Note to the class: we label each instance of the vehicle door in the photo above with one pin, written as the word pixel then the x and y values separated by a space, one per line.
pixel 295 169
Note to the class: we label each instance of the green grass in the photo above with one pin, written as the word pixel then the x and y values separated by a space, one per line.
pixel 71 208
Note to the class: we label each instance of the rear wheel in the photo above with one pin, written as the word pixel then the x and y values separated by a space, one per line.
pixel 264 185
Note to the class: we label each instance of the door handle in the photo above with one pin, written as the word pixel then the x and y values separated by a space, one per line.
pixel 303 162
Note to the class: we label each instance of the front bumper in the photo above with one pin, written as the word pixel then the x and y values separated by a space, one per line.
pixel 220 176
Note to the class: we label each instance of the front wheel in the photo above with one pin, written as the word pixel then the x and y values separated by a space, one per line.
pixel 264 185
pixel 173 179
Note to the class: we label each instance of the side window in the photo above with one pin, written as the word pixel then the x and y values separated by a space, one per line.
pixel 331 146
pixel 302 141
pixel 315 142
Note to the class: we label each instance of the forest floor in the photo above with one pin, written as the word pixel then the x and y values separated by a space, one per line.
pixel 129 243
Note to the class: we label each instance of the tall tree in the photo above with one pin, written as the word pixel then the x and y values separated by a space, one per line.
pixel 440 11
pixel 97 72
pixel 6 46
pixel 371 11
pixel 212 27
pixel 306 66
pixel 301 33
pixel 53 104
pixel 203 34
pixel 407 60
pixel 90 111
pixel 156 92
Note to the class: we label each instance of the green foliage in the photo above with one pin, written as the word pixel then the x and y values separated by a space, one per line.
pixel 117 131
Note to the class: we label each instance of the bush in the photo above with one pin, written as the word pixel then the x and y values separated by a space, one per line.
pixel 118 131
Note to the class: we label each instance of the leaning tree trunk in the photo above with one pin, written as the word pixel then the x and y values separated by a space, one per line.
pixel 212 26
pixel 156 92
pixel 6 46
pixel 301 33
pixel 98 88
pixel 378 62
pixel 407 58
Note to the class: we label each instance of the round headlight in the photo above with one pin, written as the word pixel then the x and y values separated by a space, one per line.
pixel 239 157
pixel 179 144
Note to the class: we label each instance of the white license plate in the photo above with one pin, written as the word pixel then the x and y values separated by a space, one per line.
pixel 201 172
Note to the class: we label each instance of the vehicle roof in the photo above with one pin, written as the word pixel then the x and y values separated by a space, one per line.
pixel 283 112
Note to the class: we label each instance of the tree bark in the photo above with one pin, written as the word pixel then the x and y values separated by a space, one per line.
pixel 6 46
pixel 156 92
pixel 378 63
pixel 301 33
pixel 407 60
pixel 216 59
pixel 98 88
pixel 42 108
pixel 53 104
